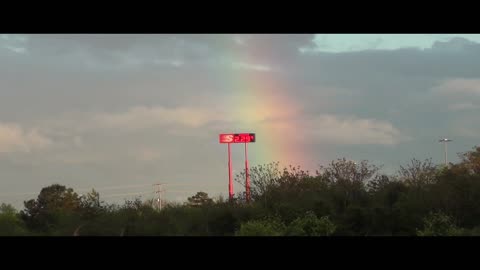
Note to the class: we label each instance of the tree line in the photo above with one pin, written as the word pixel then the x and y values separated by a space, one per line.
pixel 343 198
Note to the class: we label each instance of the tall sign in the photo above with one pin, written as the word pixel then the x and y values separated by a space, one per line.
pixel 237 138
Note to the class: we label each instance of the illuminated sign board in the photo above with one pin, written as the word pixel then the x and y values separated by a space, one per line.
pixel 237 138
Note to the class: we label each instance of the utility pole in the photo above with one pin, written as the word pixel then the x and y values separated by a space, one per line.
pixel 159 191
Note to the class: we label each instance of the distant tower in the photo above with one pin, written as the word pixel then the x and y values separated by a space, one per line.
pixel 445 141
pixel 158 200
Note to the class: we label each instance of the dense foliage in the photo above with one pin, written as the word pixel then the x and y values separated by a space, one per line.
pixel 343 198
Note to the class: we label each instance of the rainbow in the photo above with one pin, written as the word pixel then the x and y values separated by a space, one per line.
pixel 259 104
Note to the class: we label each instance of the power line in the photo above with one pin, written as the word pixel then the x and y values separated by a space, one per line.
pixel 193 185
pixel 126 194
pixel 78 189
pixel 17 195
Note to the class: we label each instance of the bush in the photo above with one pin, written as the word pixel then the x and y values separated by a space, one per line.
pixel 439 224
pixel 310 225
pixel 263 227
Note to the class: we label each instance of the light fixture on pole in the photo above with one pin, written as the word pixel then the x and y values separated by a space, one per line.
pixel 445 141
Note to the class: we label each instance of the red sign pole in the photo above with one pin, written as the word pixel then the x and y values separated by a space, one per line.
pixel 247 176
pixel 237 138
pixel 230 181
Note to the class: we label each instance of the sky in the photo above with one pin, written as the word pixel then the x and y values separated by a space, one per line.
pixel 120 113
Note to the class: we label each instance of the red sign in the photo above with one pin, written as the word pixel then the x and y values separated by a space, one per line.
pixel 237 138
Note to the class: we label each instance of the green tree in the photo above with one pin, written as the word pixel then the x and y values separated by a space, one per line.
pixel 311 225
pixel 10 223
pixel 439 224
pixel 418 173
pixel 52 204
pixel 343 170
pixel 347 182
pixel 7 209
pixel 200 199
pixel 263 227
pixel 91 205
pixel 262 179
pixel 471 160
pixel 385 195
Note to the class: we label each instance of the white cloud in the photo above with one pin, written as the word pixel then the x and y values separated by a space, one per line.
pixel 256 67
pixel 337 43
pixel 14 38
pixel 146 154
pixel 14 43
pixel 14 139
pixel 240 40
pixel 461 106
pixel 144 117
pixel 458 86
pixel 16 49
pixel 352 130
pixel 320 128
pixel 177 63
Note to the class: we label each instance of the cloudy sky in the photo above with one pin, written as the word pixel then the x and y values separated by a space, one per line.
pixel 121 112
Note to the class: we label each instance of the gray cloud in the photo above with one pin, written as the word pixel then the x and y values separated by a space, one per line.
pixel 14 138
pixel 108 110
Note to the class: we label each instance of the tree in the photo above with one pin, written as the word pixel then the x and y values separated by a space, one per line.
pixel 438 224
pixel 310 225
pixel 53 202
pixel 271 187
pixel 270 226
pixel 379 183
pixel 199 199
pixel 91 205
pixel 418 173
pixel 7 209
pixel 262 179
pixel 347 181
pixel 92 199
pixel 10 223
pixel 342 170
pixel 58 197
pixel 471 160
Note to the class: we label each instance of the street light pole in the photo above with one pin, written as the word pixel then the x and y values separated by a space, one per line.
pixel 445 141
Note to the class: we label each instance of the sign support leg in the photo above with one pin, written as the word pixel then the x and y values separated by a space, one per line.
pixel 230 181
pixel 247 176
